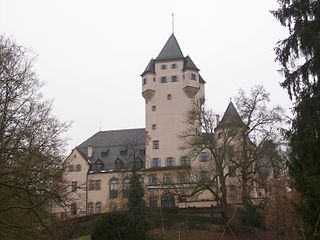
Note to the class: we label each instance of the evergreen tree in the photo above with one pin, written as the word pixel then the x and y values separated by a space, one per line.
pixel 137 208
pixel 299 55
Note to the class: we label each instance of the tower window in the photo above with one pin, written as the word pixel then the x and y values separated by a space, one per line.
pixel 163 66
pixel 204 157
pixel 155 144
pixel 154 127
pixel 163 79
pixel 173 66
pixel 169 97
pixel 144 81
pixel 174 78
pixel 193 76
pixel 154 108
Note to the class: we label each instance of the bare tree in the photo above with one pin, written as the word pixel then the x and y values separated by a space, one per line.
pixel 234 144
pixel 262 124
pixel 31 149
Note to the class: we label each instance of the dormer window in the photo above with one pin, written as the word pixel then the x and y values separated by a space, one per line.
pixel 118 164
pixel 123 151
pixel 99 164
pixel 105 153
pixel 163 66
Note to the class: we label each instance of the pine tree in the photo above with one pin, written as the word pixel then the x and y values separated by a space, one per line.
pixel 299 55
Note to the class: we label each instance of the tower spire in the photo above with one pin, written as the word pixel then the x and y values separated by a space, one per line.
pixel 172 22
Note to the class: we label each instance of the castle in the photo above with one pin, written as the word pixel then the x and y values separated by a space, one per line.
pixel 98 169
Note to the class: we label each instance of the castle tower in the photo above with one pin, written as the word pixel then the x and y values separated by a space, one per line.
pixel 171 84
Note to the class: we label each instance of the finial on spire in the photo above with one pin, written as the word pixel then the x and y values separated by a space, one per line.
pixel 230 99
pixel 172 22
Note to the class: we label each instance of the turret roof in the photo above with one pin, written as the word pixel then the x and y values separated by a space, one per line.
pixel 150 68
pixel 231 118
pixel 171 50
pixel 189 64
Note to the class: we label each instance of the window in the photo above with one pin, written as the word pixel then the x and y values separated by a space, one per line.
pixel 232 188
pixel 98 185
pixel 114 188
pixel 204 176
pixel 118 164
pixel 73 209
pixel 232 171
pixel 173 66
pixel 123 151
pixel 95 185
pixel 174 78
pixel 183 177
pixel 185 161
pixel 144 81
pixel 153 179
pixel 78 168
pixel 155 162
pixel 91 185
pixel 167 178
pixel 204 157
pixel 99 164
pixel 154 108
pixel 126 185
pixel 154 127
pixel 105 153
pixel 98 207
pixel 90 207
pixel 163 79
pixel 163 66
pixel 169 97
pixel 170 161
pixel 193 76
pixel 71 168
pixel 74 186
pixel 153 202
pixel 155 144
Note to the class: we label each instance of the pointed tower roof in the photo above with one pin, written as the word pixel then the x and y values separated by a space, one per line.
pixel 189 64
pixel 231 118
pixel 150 68
pixel 171 50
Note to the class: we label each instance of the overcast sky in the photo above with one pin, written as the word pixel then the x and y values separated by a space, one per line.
pixel 91 53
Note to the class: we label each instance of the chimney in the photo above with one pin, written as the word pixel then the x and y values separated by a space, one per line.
pixel 90 151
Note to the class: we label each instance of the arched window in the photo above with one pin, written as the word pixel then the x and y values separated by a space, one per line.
pixel 168 201
pixel 98 207
pixel 114 188
pixel 90 207
pixel 126 185
pixel 78 168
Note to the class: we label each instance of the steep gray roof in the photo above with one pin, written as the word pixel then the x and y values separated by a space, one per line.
pixel 201 79
pixel 189 64
pixel 231 118
pixel 150 68
pixel 171 50
pixel 107 146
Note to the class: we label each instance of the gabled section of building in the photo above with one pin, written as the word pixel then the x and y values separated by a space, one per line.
pixel 231 118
